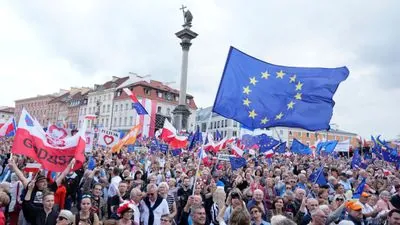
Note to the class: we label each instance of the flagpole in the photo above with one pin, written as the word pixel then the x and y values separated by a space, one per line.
pixel 201 149
pixel 280 139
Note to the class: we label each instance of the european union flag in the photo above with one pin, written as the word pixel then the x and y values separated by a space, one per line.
pixel 140 110
pixel 196 138
pixel 260 95
pixel 326 146
pixel 320 177
pixel 92 163
pixel 237 163
pixel 359 190
pixel 357 161
pixel 266 143
pixel 299 148
pixel 281 148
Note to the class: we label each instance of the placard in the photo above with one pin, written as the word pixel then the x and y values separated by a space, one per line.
pixel 108 138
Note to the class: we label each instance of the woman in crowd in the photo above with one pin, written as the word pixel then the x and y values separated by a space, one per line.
pixel 256 215
pixel 85 216
pixel 163 191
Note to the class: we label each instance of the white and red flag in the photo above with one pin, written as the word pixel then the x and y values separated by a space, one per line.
pixel 53 154
pixel 7 127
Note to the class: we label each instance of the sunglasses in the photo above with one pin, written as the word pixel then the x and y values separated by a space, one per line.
pixel 339 199
pixel 61 218
pixel 254 211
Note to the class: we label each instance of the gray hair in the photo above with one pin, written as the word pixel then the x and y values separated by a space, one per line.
pixel 151 187
pixel 281 220
pixel 196 207
pixel 316 211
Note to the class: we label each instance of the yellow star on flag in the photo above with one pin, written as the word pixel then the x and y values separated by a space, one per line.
pixel 298 96
pixel 264 121
pixel 246 102
pixel 290 105
pixel 265 75
pixel 246 90
pixel 292 79
pixel 253 80
pixel 280 74
pixel 252 114
pixel 279 116
pixel 299 86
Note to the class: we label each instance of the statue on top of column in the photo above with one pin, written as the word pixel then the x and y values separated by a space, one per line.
pixel 187 16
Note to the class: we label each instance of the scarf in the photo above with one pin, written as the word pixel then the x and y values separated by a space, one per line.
pixel 151 209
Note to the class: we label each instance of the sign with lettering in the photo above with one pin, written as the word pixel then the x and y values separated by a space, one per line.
pixel 89 136
pixel 224 157
pixel 108 138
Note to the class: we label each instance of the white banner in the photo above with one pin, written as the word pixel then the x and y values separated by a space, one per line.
pixel 343 146
pixel 89 135
pixel 224 157
pixel 108 138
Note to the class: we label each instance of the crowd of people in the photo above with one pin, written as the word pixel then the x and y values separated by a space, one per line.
pixel 153 188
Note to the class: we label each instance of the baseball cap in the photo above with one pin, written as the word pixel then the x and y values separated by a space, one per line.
pixel 365 194
pixel 67 215
pixel 353 206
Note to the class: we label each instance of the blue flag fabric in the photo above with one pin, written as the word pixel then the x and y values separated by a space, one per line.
pixel 164 148
pixel 176 152
pixel 320 177
pixel 356 161
pixel 299 148
pixel 327 147
pixel 263 141
pixel 281 148
pixel 259 94
pixel 237 163
pixel 140 110
pixel 359 190
pixel 91 163
pixel 196 138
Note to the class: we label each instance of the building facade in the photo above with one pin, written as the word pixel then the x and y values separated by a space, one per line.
pixel 38 107
pixel 6 113
pixel 310 138
pixel 227 127
pixel 158 99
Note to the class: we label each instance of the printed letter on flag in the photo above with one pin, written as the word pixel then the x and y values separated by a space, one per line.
pixel 108 138
pixel 52 154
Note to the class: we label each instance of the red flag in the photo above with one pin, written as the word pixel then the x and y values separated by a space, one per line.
pixel 53 154
pixel 178 142
pixel 168 131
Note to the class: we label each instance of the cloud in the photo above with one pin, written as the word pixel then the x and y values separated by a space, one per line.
pixel 73 43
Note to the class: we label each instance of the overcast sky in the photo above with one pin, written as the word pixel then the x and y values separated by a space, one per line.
pixel 47 45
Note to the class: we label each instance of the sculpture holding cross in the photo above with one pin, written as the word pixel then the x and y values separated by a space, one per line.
pixel 187 16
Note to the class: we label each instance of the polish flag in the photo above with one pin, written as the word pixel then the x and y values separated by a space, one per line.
pixel 32 167
pixel 237 151
pixel 219 146
pixel 269 153
pixel 7 127
pixel 168 131
pixel 53 154
pixel 178 142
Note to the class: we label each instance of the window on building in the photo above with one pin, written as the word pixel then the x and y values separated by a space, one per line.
pixel 234 133
pixel 226 123
pixel 116 108
pixel 106 122
pixel 159 109
pixel 115 122
pixel 120 122
pixel 159 94
pixel 126 106
pixel 131 120
pixel 108 108
pixel 217 124
pixel 168 112
pixel 90 110
pixel 121 108
pixel 102 122
pixel 203 127
pixel 234 123
pixel 281 132
pixel 147 91
pixel 125 121
pixel 104 108
pixel 307 134
pixel 104 97
pixel 290 132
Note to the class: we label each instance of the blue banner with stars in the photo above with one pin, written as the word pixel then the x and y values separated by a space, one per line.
pixel 261 95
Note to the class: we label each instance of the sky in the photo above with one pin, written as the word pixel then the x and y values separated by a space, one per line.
pixel 48 45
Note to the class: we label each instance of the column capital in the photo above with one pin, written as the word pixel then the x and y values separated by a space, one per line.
pixel 185 45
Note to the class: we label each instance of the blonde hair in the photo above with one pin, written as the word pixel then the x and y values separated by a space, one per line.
pixel 4 199
pixel 219 195
pixel 240 216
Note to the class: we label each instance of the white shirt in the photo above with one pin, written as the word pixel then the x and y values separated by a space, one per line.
pixel 158 212
pixel 113 188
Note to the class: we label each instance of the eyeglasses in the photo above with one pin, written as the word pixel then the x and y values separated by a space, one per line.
pixel 254 211
pixel 61 218
pixel 150 194
pixel 339 199
pixel 165 220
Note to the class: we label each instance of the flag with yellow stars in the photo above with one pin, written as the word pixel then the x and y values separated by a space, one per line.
pixel 261 95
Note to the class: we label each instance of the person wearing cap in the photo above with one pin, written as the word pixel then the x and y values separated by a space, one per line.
pixel 65 217
pixel 368 212
pixel 355 215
